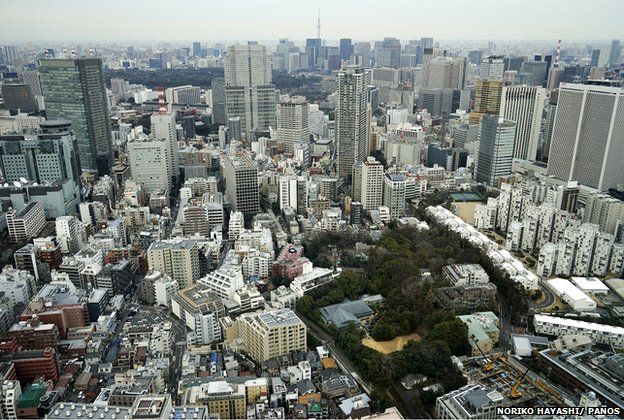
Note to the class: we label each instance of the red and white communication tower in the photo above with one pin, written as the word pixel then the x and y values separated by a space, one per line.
pixel 162 105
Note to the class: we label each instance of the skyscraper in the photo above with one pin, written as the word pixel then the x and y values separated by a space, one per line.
pixel 492 68
pixel 372 180
pixel 429 55
pixel 538 71
pixel 249 93
pixel 388 52
pixel 18 97
pixel 488 95
pixel 588 136
pixel 292 121
pixel 346 48
pixel 197 49
pixel 495 151
pixel 241 184
pixel 524 105
pixel 615 52
pixel 74 90
pixel 351 119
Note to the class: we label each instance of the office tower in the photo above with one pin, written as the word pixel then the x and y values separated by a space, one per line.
pixel 488 94
pixel 547 128
pixel 197 50
pixel 388 52
pixel 18 98
pixel 492 68
pixel 363 50
pixel 241 184
pixel 475 57
pixel 74 90
pixel 495 151
pixel 292 122
pixel 524 105
pixel 351 119
pixel 538 71
pixel 595 58
pixel 31 78
pixel 424 43
pixel 604 211
pixel 446 73
pixel 271 333
pixel 514 63
pixel 185 95
pixel 313 51
pixel 394 194
pixel 556 75
pixel 218 100
pixel 372 179
pixel 154 159
pixel 346 49
pixel 177 258
pixel 48 157
pixel 615 52
pixel 429 55
pixel 249 93
pixel 588 136
pixel 234 129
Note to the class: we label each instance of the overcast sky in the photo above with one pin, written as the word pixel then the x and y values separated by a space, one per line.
pixel 202 20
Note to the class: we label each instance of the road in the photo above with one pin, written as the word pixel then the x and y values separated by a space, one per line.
pixel 548 301
pixel 345 364
pixel 504 309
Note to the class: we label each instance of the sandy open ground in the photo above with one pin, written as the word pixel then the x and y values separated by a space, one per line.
pixel 387 347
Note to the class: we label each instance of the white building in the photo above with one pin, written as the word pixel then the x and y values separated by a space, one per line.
pixel 224 281
pixel 312 279
pixel 465 274
pixel 187 95
pixel 236 225
pixel 372 183
pixel 165 287
pixel 150 163
pixel 10 391
pixel 241 177
pixel 524 105
pixel 485 216
pixel 547 260
pixel 70 233
pixel 599 333
pixel 591 286
pixel 394 194
pixel 26 223
pixel 571 295
pixel 200 311
pixel 17 285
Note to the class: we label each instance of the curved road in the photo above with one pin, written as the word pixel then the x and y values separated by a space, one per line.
pixel 549 300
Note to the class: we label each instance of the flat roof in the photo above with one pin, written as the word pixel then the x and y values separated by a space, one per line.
pixel 570 322
pixel 566 287
pixel 589 283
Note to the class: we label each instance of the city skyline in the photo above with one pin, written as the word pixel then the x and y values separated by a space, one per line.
pixel 243 19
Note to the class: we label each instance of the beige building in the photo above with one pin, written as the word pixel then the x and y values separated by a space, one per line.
pixel 271 333
pixel 179 259
pixel 219 397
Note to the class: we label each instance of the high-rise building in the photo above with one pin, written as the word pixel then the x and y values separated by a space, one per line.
pixel 178 259
pixel 431 55
pixel 595 58
pixel 186 95
pixel 538 71
pixel 446 73
pixel 292 121
pixel 197 49
pixel 31 78
pixel 218 100
pixel 388 52
pixel 26 223
pixel 372 180
pixel 18 97
pixel 495 150
pixel 346 49
pixel 492 68
pixel 271 333
pixel 394 194
pixel 351 119
pixel 488 94
pixel 241 184
pixel 588 136
pixel 363 51
pixel 249 93
pixel 524 105
pixel 74 90
pixel 69 232
pixel 615 52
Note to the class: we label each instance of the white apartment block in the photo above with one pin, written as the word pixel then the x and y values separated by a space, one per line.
pixel 165 287
pixel 26 223
pixel 310 279
pixel 224 281
pixel 372 183
pixel 514 236
pixel 485 216
pixel 70 233
pixel 236 225
pixel 599 333
pixel 547 260
pixel 292 121
pixel 465 274
pixel 394 194
pixel 200 310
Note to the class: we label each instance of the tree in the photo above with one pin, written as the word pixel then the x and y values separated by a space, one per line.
pixel 454 333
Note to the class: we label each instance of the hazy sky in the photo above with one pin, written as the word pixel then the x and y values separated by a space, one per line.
pixel 202 20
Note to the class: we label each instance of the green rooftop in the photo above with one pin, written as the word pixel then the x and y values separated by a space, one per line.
pixel 467 196
pixel 31 395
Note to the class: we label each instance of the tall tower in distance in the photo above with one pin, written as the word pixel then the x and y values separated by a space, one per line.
pixel 74 90
pixel 249 93
pixel 351 120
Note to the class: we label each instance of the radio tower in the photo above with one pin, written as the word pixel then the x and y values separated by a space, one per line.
pixel 318 23
pixel 162 106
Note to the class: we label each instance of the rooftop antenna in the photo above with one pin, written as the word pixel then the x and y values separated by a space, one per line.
pixel 318 23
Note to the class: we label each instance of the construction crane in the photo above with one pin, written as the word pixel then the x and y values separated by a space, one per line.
pixel 514 394
pixel 488 364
